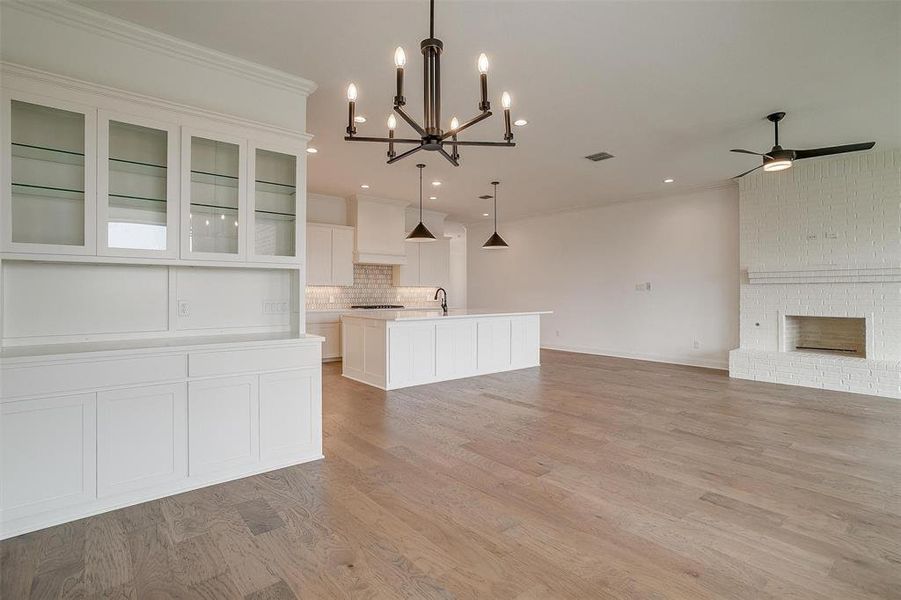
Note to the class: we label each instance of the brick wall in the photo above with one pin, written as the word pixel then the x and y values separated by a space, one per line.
pixel 822 239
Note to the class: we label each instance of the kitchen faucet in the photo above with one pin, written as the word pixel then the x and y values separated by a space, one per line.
pixel 443 298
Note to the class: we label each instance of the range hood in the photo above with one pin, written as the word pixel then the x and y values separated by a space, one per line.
pixel 379 230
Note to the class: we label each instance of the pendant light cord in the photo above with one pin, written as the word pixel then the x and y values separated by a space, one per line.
pixel 495 208
pixel 420 191
pixel 431 18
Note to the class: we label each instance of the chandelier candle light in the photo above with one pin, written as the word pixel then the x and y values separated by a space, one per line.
pixel 432 136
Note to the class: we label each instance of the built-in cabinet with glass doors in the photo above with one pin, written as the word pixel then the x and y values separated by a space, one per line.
pixel 88 181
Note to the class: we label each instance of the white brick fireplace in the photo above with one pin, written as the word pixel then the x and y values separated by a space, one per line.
pixel 821 275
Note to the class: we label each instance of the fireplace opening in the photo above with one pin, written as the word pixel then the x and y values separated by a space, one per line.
pixel 842 336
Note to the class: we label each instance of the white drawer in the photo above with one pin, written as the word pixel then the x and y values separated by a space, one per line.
pixel 81 375
pixel 229 362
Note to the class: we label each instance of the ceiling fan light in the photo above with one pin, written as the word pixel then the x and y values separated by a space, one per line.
pixel 777 165
pixel 420 233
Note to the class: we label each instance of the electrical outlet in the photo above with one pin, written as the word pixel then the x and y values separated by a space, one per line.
pixel 696 345
pixel 557 332
pixel 184 309
pixel 643 287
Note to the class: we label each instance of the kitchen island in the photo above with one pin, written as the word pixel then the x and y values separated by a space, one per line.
pixel 395 349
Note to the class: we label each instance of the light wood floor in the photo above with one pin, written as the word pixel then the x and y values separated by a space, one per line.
pixel 587 478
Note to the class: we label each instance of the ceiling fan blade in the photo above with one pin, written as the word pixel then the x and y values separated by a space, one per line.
pixel 746 172
pixel 799 154
pixel 746 152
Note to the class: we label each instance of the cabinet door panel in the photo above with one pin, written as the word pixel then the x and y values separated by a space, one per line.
pixel 408 275
pixel 455 348
pixel 141 437
pixel 319 256
pixel 48 176
pixel 223 423
pixel 342 256
pixel 47 454
pixel 289 411
pixel 524 341
pixel 137 187
pixel 493 344
pixel 275 203
pixel 434 263
pixel 214 196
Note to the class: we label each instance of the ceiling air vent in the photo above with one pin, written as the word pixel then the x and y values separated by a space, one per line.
pixel 599 156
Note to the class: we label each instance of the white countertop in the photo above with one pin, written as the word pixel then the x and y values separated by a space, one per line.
pixel 15 353
pixel 427 315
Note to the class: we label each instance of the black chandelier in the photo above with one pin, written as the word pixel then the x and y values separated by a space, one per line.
pixel 432 136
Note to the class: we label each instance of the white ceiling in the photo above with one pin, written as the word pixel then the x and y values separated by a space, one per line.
pixel 667 87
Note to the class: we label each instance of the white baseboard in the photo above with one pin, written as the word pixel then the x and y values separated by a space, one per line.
pixel 722 365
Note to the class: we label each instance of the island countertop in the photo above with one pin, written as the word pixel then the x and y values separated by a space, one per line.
pixel 431 314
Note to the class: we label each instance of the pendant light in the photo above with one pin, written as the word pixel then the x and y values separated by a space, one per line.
pixel 420 233
pixel 495 242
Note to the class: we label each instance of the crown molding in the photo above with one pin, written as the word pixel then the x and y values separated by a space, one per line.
pixel 100 23
pixel 12 70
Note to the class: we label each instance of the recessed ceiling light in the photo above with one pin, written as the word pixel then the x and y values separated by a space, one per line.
pixel 668 180
pixel 436 183
pixel 484 214
pixel 365 186
pixel 312 150
pixel 359 119
pixel 520 122
pixel 433 197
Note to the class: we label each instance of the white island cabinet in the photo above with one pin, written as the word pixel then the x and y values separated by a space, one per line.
pixel 396 349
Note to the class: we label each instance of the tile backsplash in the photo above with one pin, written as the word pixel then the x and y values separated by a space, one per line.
pixel 373 284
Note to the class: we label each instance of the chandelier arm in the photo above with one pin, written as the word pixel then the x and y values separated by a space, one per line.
pixel 469 123
pixel 355 138
pixel 405 154
pixel 498 144
pixel 399 110
pixel 450 158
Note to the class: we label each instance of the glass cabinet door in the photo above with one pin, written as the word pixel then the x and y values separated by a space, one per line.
pixel 274 204
pixel 138 211
pixel 214 184
pixel 50 176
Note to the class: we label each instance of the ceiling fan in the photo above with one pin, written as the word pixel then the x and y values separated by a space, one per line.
pixel 779 159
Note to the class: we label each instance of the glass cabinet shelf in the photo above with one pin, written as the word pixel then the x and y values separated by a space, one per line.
pixel 27 189
pixel 42 153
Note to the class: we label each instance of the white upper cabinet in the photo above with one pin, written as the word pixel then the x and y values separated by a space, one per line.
pixel 137 187
pixel 329 255
pixel 428 265
pixel 48 176
pixel 90 174
pixel 275 176
pixel 214 198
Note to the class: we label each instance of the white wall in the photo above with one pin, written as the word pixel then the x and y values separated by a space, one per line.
pixel 585 266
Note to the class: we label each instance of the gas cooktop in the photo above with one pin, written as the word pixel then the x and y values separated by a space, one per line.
pixel 377 306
